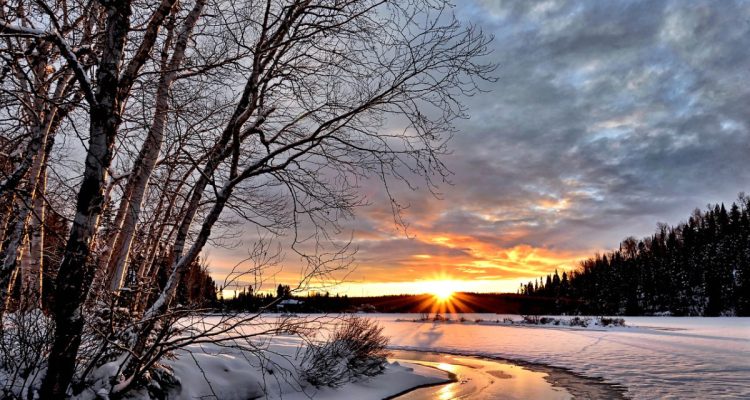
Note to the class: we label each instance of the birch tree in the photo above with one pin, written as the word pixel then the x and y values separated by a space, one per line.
pixel 266 112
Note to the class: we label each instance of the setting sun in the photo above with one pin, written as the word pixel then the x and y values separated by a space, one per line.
pixel 441 290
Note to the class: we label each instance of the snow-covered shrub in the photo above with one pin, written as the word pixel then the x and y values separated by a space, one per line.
pixel 25 340
pixel 604 321
pixel 578 321
pixel 547 320
pixel 357 347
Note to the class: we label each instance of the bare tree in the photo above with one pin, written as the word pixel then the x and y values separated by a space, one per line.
pixel 37 93
pixel 265 112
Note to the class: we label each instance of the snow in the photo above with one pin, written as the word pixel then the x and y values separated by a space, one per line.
pixel 396 379
pixel 212 372
pixel 654 357
pixel 23 30
pixel 229 373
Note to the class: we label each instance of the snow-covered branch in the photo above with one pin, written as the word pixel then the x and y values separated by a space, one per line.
pixel 65 50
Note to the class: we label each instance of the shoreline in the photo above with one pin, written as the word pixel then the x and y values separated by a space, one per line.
pixel 452 378
pixel 576 384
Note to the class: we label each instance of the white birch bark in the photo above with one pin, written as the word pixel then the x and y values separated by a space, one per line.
pixel 144 165
pixel 32 263
pixel 26 204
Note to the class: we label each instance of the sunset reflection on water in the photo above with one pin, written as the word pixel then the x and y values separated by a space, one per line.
pixel 480 379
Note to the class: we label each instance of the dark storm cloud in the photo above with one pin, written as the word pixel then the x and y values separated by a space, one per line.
pixel 606 118
pixel 631 111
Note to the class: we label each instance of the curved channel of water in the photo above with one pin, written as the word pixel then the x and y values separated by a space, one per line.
pixel 489 379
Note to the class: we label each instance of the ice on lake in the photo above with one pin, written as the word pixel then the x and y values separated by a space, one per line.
pixel 656 357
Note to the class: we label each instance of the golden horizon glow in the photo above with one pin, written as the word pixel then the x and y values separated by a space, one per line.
pixel 427 264
pixel 390 288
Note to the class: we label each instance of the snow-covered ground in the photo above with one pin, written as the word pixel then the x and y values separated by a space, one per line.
pixel 231 372
pixel 655 357
pixel 219 373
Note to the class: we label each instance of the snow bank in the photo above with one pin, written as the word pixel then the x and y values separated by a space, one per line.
pixel 225 376
pixel 396 379
pixel 229 373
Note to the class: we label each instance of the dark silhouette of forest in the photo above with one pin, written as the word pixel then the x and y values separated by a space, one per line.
pixel 504 303
pixel 698 268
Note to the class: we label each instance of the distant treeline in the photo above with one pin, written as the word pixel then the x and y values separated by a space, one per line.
pixel 504 303
pixel 700 267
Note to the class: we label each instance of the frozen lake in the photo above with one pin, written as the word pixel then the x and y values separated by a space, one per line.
pixel 655 357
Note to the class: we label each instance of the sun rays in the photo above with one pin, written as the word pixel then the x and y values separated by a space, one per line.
pixel 442 291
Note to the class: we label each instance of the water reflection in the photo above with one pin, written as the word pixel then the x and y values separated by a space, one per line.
pixel 446 393
pixel 446 367
pixel 481 379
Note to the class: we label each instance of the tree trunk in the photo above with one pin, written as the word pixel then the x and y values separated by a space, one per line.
pixel 144 165
pixel 77 268
pixel 6 211
pixel 75 273
pixel 13 251
pixel 74 276
pixel 32 263
pixel 30 202
pixel 26 203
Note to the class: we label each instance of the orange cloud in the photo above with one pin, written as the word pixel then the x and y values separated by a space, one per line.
pixel 400 265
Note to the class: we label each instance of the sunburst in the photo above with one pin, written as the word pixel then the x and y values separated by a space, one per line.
pixel 442 291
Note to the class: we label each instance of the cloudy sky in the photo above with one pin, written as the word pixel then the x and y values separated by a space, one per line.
pixel 606 118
